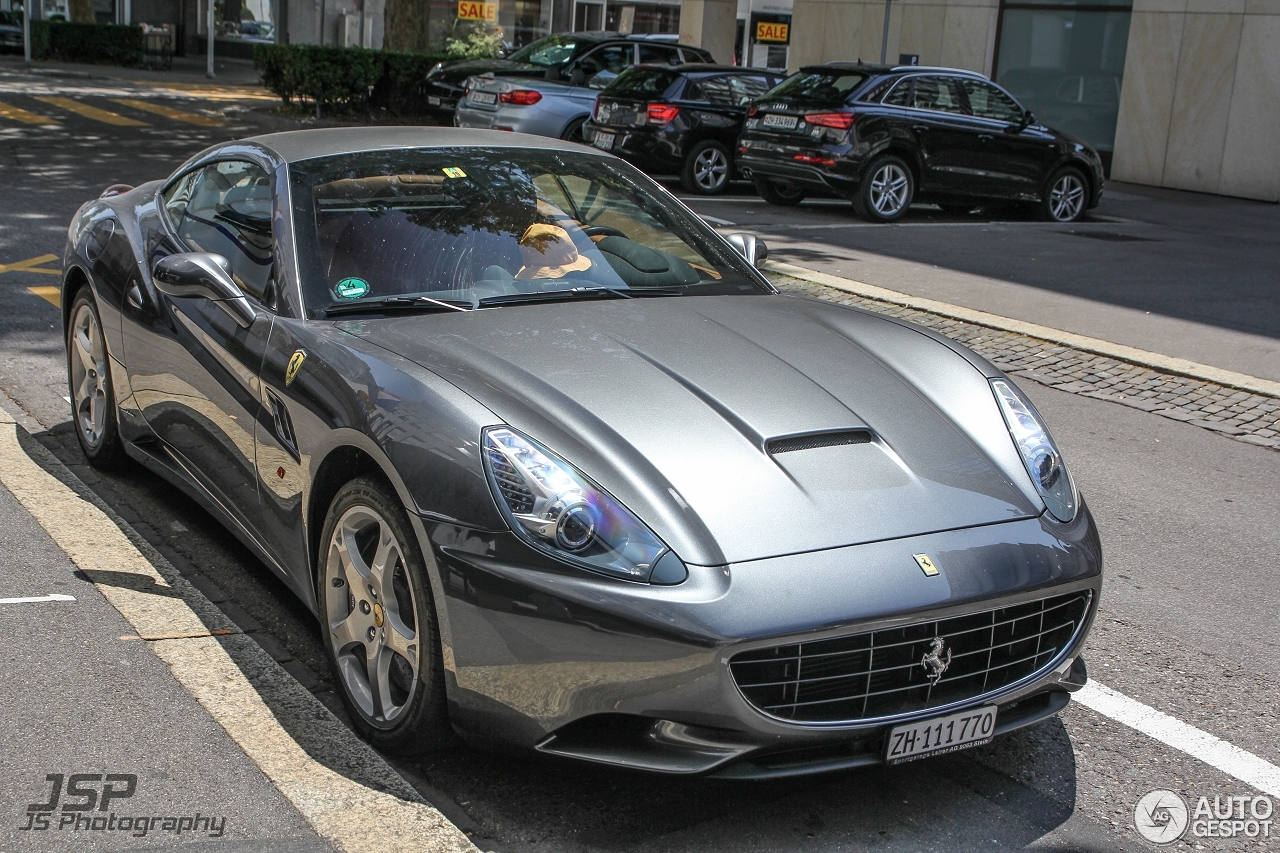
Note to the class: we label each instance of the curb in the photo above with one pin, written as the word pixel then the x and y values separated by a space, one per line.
pixel 1096 346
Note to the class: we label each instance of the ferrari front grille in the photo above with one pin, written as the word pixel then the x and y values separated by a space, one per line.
pixel 896 671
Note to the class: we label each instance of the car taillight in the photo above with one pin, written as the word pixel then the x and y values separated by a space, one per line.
pixel 840 121
pixel 521 97
pixel 595 111
pixel 662 113
pixel 815 159
pixel 752 111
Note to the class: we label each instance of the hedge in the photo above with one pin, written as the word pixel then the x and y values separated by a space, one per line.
pixel 104 44
pixel 345 79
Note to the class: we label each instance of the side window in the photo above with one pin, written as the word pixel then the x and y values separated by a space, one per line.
pixel 613 58
pixel 987 101
pixel 228 212
pixel 748 87
pixel 900 96
pixel 178 196
pixel 936 93
pixel 660 54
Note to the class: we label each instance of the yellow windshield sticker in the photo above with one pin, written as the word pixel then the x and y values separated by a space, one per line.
pixel 453 172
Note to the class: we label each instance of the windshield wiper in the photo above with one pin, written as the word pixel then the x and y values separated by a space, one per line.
pixel 395 303
pixel 579 293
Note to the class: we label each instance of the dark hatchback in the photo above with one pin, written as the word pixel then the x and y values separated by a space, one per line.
pixel 681 121
pixel 885 137
pixel 574 58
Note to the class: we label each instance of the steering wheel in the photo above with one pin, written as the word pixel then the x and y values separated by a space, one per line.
pixel 603 231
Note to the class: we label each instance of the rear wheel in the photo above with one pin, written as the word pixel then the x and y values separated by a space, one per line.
pixel 886 192
pixel 378 622
pixel 93 399
pixel 1067 197
pixel 573 133
pixel 779 192
pixel 707 169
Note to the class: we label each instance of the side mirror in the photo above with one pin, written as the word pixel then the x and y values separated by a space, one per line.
pixel 197 275
pixel 750 247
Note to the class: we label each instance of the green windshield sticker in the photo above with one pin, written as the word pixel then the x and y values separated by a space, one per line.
pixel 453 172
pixel 351 288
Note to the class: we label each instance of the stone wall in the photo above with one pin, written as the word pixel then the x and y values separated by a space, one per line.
pixel 1200 105
pixel 954 33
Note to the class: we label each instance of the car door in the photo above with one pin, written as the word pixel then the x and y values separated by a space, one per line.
pixel 945 134
pixel 193 369
pixel 1014 156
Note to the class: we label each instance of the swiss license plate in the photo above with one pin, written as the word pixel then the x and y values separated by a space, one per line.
pixel 940 735
pixel 604 141
pixel 433 100
pixel 780 122
pixel 486 98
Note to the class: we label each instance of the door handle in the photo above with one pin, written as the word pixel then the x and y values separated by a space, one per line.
pixel 985 137
pixel 919 128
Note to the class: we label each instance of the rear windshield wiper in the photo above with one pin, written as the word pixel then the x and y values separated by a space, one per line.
pixel 579 293
pixel 395 303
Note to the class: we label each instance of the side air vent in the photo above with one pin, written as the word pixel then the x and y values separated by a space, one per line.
pixel 814 441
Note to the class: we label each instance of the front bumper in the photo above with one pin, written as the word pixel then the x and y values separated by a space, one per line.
pixel 540 656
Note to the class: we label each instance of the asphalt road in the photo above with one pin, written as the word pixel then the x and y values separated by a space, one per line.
pixel 1188 522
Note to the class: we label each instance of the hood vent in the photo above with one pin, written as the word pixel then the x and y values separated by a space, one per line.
pixel 815 440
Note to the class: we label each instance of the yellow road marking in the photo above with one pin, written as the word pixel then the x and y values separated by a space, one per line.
pixel 26 117
pixel 104 116
pixel 213 93
pixel 52 294
pixel 170 112
pixel 26 266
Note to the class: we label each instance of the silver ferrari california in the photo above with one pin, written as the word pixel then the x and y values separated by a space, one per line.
pixel 557 467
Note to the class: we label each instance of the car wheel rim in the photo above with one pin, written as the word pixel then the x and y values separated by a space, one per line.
pixel 710 169
pixel 372 616
pixel 889 188
pixel 88 376
pixel 1066 198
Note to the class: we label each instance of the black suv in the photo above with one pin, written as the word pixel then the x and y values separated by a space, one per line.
pixel 681 121
pixel 568 57
pixel 885 137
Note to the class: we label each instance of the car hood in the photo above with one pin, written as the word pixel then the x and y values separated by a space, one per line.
pixel 456 72
pixel 672 404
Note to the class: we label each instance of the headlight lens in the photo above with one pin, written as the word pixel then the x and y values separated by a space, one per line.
pixel 1039 454
pixel 555 508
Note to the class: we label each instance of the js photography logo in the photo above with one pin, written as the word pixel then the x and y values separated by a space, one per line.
pixel 89 804
pixel 1163 817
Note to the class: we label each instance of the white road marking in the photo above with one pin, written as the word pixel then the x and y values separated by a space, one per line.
pixel 1170 731
pixel 340 810
pixel 37 599
pixel 716 221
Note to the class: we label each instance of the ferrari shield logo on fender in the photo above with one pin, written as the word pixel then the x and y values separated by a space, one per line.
pixel 295 364
pixel 926 565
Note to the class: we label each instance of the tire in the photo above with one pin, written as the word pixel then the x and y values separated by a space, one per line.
pixel 93 397
pixel 1067 196
pixel 887 190
pixel 781 194
pixel 573 133
pixel 365 614
pixel 708 169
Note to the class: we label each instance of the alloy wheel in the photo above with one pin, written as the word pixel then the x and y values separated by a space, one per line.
pixel 1066 199
pixel 889 188
pixel 710 169
pixel 372 616
pixel 88 376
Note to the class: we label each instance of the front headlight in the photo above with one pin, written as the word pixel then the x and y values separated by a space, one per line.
pixel 551 505
pixel 1039 454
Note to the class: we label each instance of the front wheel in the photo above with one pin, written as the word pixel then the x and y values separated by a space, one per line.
pixel 378 622
pixel 886 192
pixel 1067 197
pixel 707 169
pixel 93 398
pixel 779 193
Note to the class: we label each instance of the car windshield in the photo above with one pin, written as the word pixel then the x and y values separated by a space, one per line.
pixel 548 52
pixel 826 86
pixel 470 224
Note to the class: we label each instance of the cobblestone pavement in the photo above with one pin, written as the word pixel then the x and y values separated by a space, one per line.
pixel 1244 416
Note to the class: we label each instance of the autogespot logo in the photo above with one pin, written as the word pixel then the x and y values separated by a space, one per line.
pixel 1163 817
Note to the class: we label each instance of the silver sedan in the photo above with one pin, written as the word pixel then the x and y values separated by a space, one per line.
pixel 529 105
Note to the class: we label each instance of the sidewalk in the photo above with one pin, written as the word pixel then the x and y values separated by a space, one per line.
pixel 80 697
pixel 186 69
